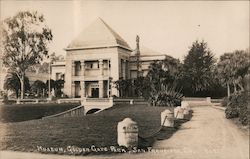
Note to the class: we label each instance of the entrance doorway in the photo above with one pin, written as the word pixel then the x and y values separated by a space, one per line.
pixel 95 92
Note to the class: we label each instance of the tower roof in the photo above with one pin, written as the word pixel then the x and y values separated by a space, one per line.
pixel 98 34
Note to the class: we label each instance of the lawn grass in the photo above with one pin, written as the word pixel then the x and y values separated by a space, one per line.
pixel 98 129
pixel 23 112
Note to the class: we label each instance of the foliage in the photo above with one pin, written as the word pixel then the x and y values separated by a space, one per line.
pixel 56 85
pixel 39 68
pixel 59 84
pixel 168 70
pixel 123 86
pixel 163 86
pixel 24 39
pixel 224 101
pixel 12 83
pixel 3 96
pixel 166 96
pixel 197 73
pixel 238 106
pixel 38 87
pixel 233 68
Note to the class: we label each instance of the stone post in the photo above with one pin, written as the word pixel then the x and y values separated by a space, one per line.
pixel 167 118
pixel 127 133
pixel 186 107
pixel 208 99
pixel 178 113
pixel 101 89
pixel 82 67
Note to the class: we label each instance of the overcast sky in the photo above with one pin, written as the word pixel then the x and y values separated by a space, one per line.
pixel 165 26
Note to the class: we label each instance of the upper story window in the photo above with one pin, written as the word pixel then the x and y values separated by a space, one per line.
pixel 91 65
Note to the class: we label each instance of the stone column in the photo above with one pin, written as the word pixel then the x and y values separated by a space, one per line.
pixel 82 67
pixel 83 89
pixel 124 69
pixel 101 89
pixel 73 68
pixel 101 66
pixel 73 89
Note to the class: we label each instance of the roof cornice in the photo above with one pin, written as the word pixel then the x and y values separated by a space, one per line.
pixel 97 47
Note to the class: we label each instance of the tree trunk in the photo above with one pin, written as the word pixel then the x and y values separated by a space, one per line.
pixel 43 92
pixel 22 86
pixel 241 87
pixel 228 90
pixel 17 93
pixel 235 89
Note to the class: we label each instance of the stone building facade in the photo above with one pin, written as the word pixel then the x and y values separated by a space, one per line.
pixel 96 59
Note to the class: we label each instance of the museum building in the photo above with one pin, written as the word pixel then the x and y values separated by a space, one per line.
pixel 97 58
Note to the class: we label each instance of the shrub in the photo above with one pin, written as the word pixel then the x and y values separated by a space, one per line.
pixel 238 107
pixel 224 102
pixel 243 108
pixel 231 112
pixel 232 107
pixel 167 96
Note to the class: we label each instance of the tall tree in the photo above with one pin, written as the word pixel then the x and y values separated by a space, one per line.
pixel 25 37
pixel 198 68
pixel 232 68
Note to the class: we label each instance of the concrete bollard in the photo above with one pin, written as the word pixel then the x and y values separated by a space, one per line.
pixel 176 109
pixel 167 118
pixel 131 101
pixel 18 101
pixel 127 133
pixel 208 99
pixel 178 113
pixel 186 107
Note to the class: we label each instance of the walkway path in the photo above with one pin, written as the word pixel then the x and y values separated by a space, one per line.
pixel 207 136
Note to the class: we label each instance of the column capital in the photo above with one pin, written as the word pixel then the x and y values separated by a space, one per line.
pixel 100 60
pixel 82 61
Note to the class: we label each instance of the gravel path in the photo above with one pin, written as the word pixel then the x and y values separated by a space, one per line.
pixel 208 135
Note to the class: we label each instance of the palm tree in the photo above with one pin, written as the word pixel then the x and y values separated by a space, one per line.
pixel 12 83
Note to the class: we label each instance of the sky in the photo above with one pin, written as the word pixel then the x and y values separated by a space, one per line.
pixel 168 27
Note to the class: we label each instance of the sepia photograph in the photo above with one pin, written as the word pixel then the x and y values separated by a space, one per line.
pixel 127 79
